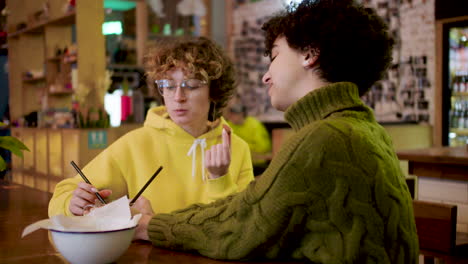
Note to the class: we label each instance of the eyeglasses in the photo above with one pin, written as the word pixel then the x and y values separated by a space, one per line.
pixel 169 87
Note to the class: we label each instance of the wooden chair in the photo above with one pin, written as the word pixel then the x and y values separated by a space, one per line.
pixel 436 224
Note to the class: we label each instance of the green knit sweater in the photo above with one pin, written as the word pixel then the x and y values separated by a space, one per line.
pixel 333 194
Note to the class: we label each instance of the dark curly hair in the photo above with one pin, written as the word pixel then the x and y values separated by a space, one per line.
pixel 201 57
pixel 352 42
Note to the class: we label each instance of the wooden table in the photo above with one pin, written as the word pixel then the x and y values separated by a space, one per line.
pixel 443 163
pixel 21 206
pixel 438 162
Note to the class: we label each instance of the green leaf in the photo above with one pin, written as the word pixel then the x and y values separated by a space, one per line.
pixel 2 124
pixel 14 141
pixel 13 144
pixel 3 164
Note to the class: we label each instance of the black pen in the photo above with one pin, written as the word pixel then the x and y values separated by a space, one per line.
pixel 87 181
pixel 146 185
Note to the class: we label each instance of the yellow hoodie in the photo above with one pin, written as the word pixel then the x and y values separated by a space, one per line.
pixel 127 164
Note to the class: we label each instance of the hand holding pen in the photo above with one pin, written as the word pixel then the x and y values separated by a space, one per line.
pixel 86 196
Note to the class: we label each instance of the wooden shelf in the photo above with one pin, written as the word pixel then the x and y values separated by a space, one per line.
pixel 66 19
pixel 59 93
pixel 34 79
pixel 460 94
pixel 60 59
pixel 75 60
pixel 460 131
pixel 47 34
pixel 38 28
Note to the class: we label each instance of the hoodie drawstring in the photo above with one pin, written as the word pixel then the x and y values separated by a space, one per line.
pixel 193 151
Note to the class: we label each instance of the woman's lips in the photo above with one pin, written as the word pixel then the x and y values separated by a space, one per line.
pixel 180 111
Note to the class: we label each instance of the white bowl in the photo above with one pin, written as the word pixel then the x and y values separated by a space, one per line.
pixel 93 247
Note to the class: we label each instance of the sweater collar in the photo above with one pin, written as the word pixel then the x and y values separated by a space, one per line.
pixel 320 103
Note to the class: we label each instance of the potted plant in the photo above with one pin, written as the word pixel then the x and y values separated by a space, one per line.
pixel 12 144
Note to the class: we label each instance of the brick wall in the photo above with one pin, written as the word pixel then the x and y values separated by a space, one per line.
pixel 406 92
pixel 417 32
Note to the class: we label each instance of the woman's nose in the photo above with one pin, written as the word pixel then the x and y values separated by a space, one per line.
pixel 266 77
pixel 180 94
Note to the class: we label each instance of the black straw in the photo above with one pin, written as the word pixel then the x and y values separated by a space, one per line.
pixel 146 185
pixel 86 180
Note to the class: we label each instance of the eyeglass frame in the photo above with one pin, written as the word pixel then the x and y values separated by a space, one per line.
pixel 183 85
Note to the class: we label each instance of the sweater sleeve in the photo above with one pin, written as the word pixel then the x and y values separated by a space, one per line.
pixel 242 225
pixel 103 172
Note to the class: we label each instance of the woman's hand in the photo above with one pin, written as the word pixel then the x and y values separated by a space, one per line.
pixel 84 197
pixel 218 157
pixel 143 206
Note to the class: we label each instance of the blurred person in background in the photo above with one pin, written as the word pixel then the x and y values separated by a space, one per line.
pixel 252 131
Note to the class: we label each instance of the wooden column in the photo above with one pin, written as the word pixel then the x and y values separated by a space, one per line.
pixel 437 131
pixel 141 30
pixel 205 21
pixel 91 46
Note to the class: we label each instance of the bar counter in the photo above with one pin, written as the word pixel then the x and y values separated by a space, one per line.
pixel 437 162
pixel 21 206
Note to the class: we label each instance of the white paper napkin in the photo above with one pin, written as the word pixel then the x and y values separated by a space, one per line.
pixel 113 216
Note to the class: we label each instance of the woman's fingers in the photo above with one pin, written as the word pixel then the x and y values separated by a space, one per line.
pixel 76 210
pixel 226 155
pixel 228 131
pixel 207 158
pixel 226 137
pixel 84 192
pixel 217 160
pixel 83 196
pixel 214 156
pixel 143 206
pixel 222 156
pixel 218 157
pixel 77 204
pixel 105 193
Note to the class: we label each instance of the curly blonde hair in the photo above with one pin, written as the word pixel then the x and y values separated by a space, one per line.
pixel 200 57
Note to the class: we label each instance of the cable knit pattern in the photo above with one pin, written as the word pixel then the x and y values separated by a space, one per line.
pixel 333 194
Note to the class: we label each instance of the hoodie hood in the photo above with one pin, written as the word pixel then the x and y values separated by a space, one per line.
pixel 158 118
